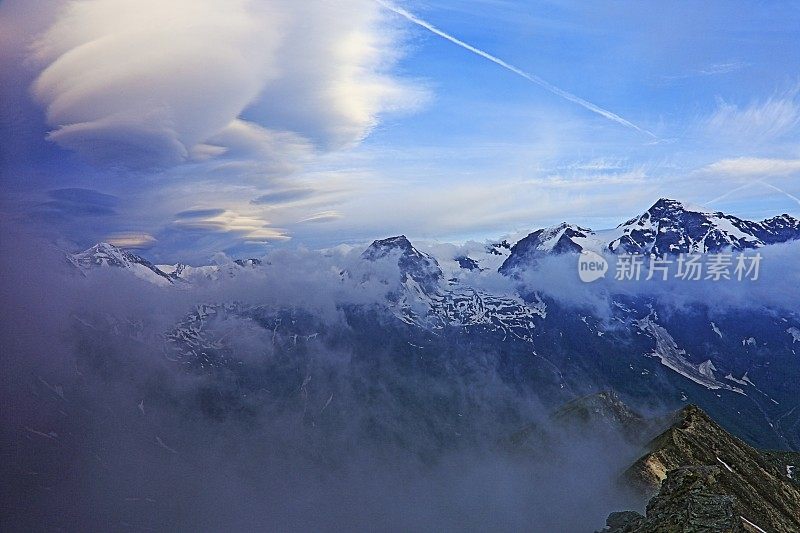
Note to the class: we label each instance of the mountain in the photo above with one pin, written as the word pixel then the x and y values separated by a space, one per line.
pixel 705 479
pixel 603 415
pixel 414 265
pixel 668 227
pixel 672 227
pixel 697 476
pixel 432 359
pixel 606 409
pixel 107 255
pixel 559 239
pixel 739 363
pixel 183 272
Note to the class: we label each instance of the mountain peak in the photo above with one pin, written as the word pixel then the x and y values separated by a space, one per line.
pixel 668 205
pixel 413 264
pixel 104 254
pixel 553 240
pixel 381 247
pixel 672 227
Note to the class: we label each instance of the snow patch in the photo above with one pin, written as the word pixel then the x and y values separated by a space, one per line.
pixel 726 465
pixel 749 523
pixel 674 358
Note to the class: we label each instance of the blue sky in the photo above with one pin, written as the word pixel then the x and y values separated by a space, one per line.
pixel 204 125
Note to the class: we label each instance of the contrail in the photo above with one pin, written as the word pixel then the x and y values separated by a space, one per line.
pixel 750 184
pixel 793 197
pixel 518 71
pixel 730 192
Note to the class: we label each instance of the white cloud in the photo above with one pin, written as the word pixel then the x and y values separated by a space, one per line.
pixel 322 217
pixel 143 81
pixel 754 167
pixel 248 226
pixel 131 240
pixel 757 123
pixel 278 152
pixel 715 69
pixel 153 83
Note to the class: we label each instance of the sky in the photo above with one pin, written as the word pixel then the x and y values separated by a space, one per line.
pixel 190 127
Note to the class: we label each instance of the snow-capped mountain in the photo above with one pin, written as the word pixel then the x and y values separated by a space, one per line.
pixel 413 264
pixel 183 272
pixel 672 227
pixel 425 300
pixel 725 361
pixel 103 255
pixel 559 239
pixel 668 227
pixel 107 255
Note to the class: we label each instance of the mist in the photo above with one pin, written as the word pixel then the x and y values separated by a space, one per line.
pixel 312 425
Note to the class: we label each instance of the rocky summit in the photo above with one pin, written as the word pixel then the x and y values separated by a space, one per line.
pixel 702 478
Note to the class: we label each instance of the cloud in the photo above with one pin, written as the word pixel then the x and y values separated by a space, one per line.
pixel 283 196
pixel 322 217
pixel 75 205
pixel 275 152
pixel 722 68
pixel 248 226
pixel 199 213
pixel 757 123
pixel 80 202
pixel 145 83
pixel 754 167
pixel 84 196
pixel 715 69
pixel 335 82
pixel 299 432
pixel 136 241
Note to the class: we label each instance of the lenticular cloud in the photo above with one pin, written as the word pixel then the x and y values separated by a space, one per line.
pixel 147 80
pixel 147 83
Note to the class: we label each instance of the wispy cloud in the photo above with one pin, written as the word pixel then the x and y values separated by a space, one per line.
pixel 283 196
pixel 248 226
pixel 722 68
pixel 753 167
pixel 321 217
pixel 715 69
pixel 754 172
pixel 758 122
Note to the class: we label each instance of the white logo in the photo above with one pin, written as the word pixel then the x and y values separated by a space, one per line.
pixel 591 266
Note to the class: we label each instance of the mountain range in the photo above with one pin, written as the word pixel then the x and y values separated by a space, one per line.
pixel 739 363
pixel 669 227
pixel 733 367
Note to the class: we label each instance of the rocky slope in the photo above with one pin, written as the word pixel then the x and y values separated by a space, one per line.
pixel 705 479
